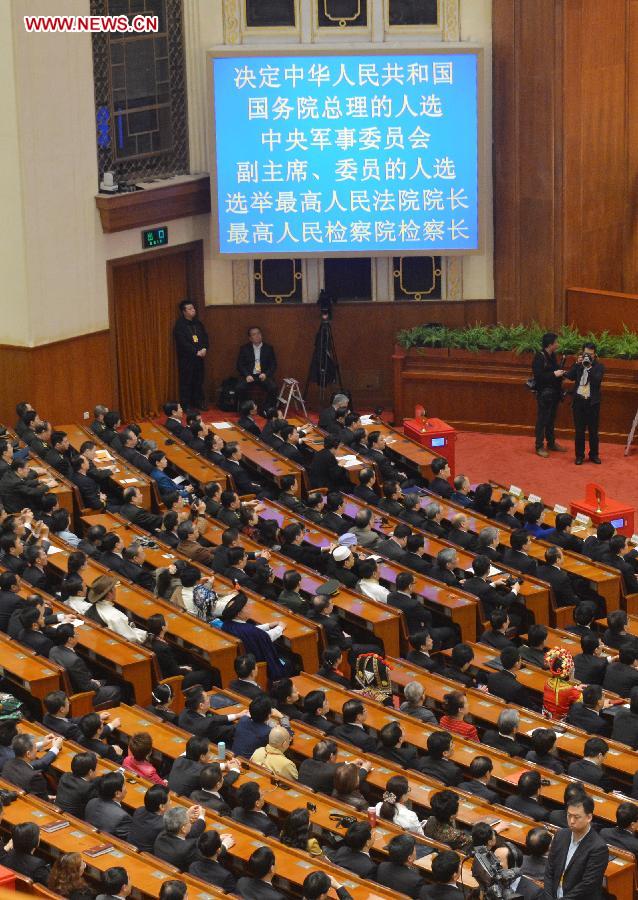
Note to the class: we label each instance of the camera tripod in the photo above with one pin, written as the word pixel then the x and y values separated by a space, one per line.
pixel 324 366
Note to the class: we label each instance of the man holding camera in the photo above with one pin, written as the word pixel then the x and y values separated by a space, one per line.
pixel 588 374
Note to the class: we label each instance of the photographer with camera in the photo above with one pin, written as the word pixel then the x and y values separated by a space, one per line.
pixel 588 374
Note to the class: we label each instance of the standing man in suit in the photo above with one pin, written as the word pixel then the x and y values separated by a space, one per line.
pixel 577 858
pixel 547 377
pixel 191 344
pixel 257 364
pixel 588 373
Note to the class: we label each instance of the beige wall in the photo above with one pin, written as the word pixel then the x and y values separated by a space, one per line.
pixel 53 255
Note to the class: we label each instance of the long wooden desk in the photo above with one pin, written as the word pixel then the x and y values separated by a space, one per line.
pixel 62 488
pixel 404 449
pixel 198 469
pixel 384 621
pixel 124 475
pixel 171 741
pixel 460 608
pixel 535 592
pixel 210 645
pixel 313 441
pixel 31 673
pixel 261 456
pixel 291 865
pixel 147 873
pixel 603 579
pixel 126 660
pixel 300 634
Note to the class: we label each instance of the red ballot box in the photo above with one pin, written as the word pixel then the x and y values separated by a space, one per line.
pixel 600 508
pixel 435 434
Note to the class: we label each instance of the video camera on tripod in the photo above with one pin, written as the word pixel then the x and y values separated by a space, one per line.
pixel 494 880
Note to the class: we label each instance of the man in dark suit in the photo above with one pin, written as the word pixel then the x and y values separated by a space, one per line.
pixel 58 454
pixel 352 728
pixel 497 636
pixel 624 834
pixel 394 547
pixel 587 373
pixel 211 849
pixel 185 773
pixel 88 487
pixel 130 452
pixel 242 480
pixel 397 872
pixel 177 843
pixel 480 771
pixel 503 737
pixel 56 717
pixel 488 593
pixel 559 580
pixel 578 856
pixel 198 718
pixel 562 535
pixel 525 800
pixel 148 820
pixel 246 420
pixel 318 773
pixel 327 416
pixel 587 713
pixel 622 675
pixel 315 707
pixel 446 872
pixel 596 546
pixel 249 810
pixel 77 787
pixel 105 811
pixel 334 515
pixel 18 490
pixel 590 768
pixel 436 761
pixel 417 617
pixel 354 853
pixel 516 556
pixel 116 884
pixel 416 556
pixel 81 680
pixel 458 533
pixel 505 685
pixel 614 557
pixel 21 858
pixel 191 345
pixel 376 452
pixel 324 469
pixel 257 364
pixel 20 770
pixel 246 682
pixel 133 510
pixel 253 730
pixel 590 665
pixel 440 484
pixel 364 489
pixel 211 783
pixel 625 727
pixel 261 870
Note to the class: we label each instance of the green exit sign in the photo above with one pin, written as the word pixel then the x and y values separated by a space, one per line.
pixel 154 237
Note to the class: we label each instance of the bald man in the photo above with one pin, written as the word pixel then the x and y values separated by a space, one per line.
pixel 272 756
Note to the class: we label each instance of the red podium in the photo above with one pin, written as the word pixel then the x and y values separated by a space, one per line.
pixel 435 434
pixel 601 508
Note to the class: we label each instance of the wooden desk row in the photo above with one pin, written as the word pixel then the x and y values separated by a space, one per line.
pixel 291 866
pixel 301 635
pixel 62 489
pixel 124 475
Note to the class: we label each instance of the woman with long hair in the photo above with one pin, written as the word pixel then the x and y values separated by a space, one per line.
pixel 346 786
pixel 394 806
pixel 66 878
pixel 296 833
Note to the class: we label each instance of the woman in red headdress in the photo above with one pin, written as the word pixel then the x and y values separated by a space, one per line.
pixel 560 690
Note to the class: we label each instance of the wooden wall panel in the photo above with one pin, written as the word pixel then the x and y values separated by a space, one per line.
pixel 594 142
pixel 601 310
pixel 565 101
pixel 364 336
pixel 61 380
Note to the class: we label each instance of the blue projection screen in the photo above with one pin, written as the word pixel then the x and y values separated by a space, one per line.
pixel 329 154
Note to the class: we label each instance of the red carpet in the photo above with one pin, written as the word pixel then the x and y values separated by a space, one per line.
pixel 512 460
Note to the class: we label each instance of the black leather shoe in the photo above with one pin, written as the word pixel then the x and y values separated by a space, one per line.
pixel 595 459
pixel 579 460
